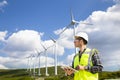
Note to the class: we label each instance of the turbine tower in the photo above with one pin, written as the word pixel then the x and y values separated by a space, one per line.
pixel 34 60
pixel 31 62
pixel 45 49
pixel 55 54
pixel 28 63
pixel 39 55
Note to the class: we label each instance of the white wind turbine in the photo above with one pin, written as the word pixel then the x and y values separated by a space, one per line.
pixel 39 55
pixel 31 62
pixel 28 63
pixel 34 61
pixel 55 54
pixel 45 49
pixel 73 23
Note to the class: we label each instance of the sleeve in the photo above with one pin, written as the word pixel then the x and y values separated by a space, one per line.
pixel 97 65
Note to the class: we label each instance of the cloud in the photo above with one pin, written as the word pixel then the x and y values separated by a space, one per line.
pixel 22 44
pixel 112 61
pixel 3 4
pixel 70 58
pixel 117 1
pixel 3 35
pixel 3 67
pixel 65 38
pixel 10 62
pixel 13 63
pixel 49 43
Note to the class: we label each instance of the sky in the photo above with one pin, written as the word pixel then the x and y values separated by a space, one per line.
pixel 26 24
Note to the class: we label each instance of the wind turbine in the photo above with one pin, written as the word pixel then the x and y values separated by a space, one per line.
pixel 55 54
pixel 28 63
pixel 34 65
pixel 45 49
pixel 72 24
pixel 39 55
pixel 31 62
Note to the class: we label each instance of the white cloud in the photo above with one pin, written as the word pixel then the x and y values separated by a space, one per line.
pixel 117 1
pixel 59 48
pixel 9 62
pixel 65 38
pixel 70 58
pixel 3 67
pixel 3 35
pixel 112 60
pixel 3 4
pixel 22 44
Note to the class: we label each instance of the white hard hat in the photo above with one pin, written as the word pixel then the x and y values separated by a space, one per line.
pixel 83 35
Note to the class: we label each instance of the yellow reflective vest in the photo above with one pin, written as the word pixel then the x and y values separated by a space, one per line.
pixel 84 74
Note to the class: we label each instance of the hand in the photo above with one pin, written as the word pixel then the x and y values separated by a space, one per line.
pixel 79 67
pixel 68 71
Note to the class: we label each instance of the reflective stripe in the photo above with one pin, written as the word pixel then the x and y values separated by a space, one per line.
pixel 91 54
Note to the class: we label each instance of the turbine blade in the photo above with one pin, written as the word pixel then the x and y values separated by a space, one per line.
pixel 77 22
pixel 87 23
pixel 52 39
pixel 71 13
pixel 65 29
pixel 43 46
pixel 83 23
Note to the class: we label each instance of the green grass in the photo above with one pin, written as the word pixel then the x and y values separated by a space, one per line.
pixel 109 75
pixel 18 74
pixel 22 74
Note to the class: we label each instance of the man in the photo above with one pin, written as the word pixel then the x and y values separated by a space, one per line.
pixel 87 61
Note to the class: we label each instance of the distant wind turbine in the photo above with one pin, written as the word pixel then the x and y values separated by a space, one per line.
pixel 34 67
pixel 39 55
pixel 28 63
pixel 45 49
pixel 55 54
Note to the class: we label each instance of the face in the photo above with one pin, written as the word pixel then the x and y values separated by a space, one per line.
pixel 77 43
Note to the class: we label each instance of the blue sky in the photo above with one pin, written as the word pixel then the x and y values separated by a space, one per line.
pixel 39 15
pixel 42 18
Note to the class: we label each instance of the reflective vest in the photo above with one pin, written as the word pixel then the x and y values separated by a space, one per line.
pixel 84 74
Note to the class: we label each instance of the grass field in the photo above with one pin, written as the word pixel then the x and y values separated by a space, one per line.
pixel 22 74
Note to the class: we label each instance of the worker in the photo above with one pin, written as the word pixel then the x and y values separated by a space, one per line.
pixel 86 61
